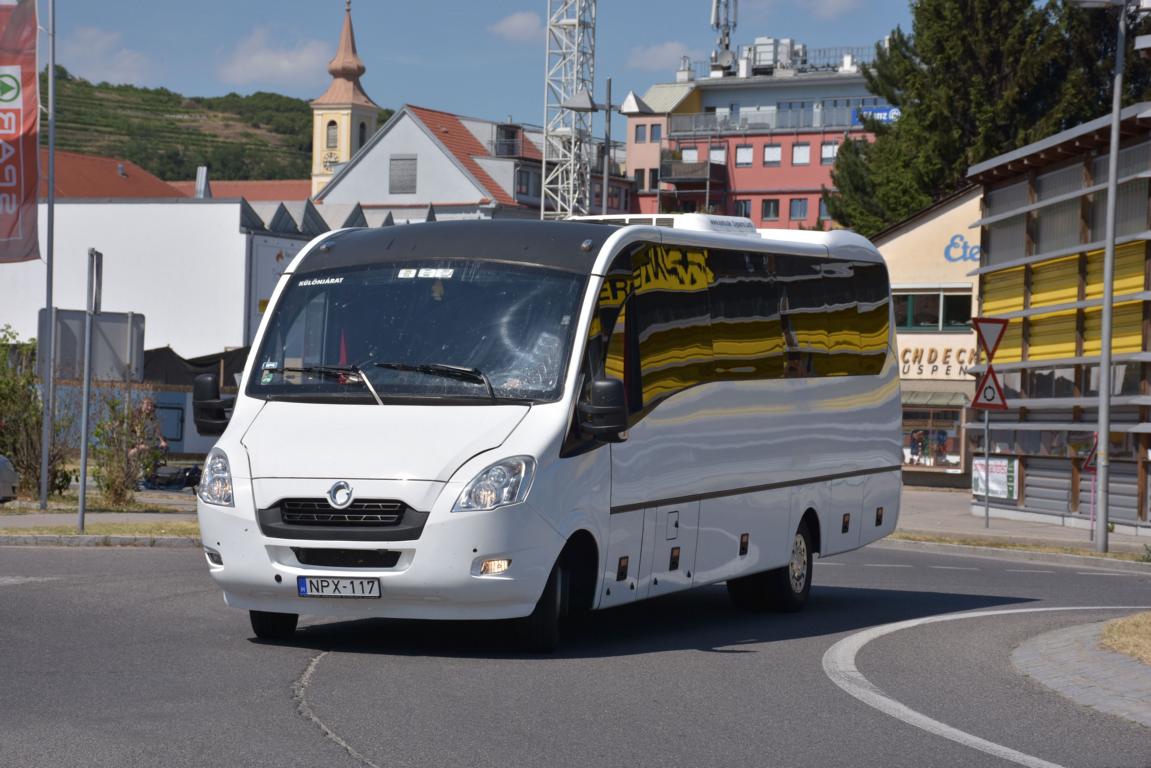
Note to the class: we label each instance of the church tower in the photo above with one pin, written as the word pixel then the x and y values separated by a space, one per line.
pixel 343 118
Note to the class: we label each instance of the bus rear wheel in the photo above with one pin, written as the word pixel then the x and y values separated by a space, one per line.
pixel 783 589
pixel 273 626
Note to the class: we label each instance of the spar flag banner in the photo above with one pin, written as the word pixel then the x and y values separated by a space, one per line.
pixel 19 123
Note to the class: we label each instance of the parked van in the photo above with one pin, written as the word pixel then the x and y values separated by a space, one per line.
pixel 524 420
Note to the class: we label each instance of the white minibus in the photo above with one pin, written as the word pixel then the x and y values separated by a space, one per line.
pixel 528 420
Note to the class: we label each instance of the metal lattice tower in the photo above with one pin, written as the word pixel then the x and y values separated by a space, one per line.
pixel 567 134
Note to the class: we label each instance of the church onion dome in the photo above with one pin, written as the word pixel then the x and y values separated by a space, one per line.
pixel 346 68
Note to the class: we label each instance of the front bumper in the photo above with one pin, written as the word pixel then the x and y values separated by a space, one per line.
pixel 435 577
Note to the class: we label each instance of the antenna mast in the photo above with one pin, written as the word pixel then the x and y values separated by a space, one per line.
pixel 567 133
pixel 723 21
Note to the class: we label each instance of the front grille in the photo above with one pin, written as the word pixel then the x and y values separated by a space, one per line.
pixel 363 520
pixel 347 558
pixel 359 512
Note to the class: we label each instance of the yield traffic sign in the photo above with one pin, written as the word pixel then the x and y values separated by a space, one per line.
pixel 990 331
pixel 988 392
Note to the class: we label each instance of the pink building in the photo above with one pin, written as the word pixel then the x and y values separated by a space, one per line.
pixel 755 139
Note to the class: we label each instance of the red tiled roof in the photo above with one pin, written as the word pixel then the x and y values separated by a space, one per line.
pixel 528 149
pixel 80 175
pixel 464 146
pixel 253 191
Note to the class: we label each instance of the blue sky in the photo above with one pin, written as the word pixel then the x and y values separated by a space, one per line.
pixel 483 58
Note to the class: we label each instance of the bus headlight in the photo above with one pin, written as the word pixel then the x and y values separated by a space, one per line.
pixel 216 480
pixel 503 483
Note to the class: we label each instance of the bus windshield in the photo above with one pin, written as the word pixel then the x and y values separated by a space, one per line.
pixel 467 331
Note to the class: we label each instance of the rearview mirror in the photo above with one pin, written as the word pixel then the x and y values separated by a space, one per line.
pixel 603 415
pixel 209 410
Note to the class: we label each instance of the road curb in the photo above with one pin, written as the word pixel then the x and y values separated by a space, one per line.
pixel 999 553
pixel 46 540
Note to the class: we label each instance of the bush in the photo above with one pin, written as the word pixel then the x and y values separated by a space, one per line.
pixel 126 443
pixel 21 418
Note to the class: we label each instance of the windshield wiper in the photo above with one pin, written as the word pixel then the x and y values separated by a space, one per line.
pixel 336 370
pixel 459 372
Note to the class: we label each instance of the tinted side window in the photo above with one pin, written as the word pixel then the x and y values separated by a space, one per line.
pixel 672 321
pixel 747 334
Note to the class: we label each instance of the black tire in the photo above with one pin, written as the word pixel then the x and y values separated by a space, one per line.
pixel 789 586
pixel 539 632
pixel 775 590
pixel 750 593
pixel 273 626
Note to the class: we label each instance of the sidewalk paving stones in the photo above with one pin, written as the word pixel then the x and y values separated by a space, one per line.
pixel 1070 662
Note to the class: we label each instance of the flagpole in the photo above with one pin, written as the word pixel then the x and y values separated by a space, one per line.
pixel 49 369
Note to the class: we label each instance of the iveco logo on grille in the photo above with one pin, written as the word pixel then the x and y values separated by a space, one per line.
pixel 340 495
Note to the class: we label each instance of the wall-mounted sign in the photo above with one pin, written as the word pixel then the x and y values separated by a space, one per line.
pixel 958 249
pixel 927 360
pixel 882 114
pixel 1004 477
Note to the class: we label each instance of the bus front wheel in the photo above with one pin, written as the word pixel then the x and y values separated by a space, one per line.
pixel 539 632
pixel 273 626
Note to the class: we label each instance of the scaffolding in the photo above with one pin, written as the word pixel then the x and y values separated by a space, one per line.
pixel 567 133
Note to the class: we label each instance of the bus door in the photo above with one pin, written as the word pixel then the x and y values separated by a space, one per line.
pixel 669 554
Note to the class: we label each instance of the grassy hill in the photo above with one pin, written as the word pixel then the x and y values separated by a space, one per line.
pixel 261 136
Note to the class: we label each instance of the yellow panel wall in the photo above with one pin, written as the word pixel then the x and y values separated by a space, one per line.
pixel 1051 336
pixel 1126 329
pixel 1011 347
pixel 1055 282
pixel 1002 292
pixel 1129 261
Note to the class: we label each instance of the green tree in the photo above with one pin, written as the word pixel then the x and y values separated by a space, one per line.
pixel 974 79
pixel 21 411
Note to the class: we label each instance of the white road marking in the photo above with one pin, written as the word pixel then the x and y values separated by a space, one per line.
pixel 1026 570
pixel 886 565
pixel 952 568
pixel 822 564
pixel 1099 573
pixel 839 665
pixel 11 581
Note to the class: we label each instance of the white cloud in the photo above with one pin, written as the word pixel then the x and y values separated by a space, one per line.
pixel 98 55
pixel 664 57
pixel 521 27
pixel 830 9
pixel 260 59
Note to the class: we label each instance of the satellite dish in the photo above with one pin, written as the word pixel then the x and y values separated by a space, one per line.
pixel 725 59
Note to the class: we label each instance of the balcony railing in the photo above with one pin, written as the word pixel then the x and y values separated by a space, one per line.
pixel 677 172
pixel 766 119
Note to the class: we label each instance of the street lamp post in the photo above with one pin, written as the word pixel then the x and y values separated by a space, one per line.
pixel 1103 430
pixel 582 102
pixel 1103 446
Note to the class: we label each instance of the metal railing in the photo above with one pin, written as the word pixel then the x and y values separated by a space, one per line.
pixel 770 119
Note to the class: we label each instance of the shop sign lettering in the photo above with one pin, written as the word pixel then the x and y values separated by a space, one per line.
pixel 935 362
pixel 958 249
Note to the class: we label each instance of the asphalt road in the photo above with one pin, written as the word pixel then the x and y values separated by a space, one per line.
pixel 128 657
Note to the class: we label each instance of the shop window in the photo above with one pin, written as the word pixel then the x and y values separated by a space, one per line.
pixel 931 438
pixel 934 312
